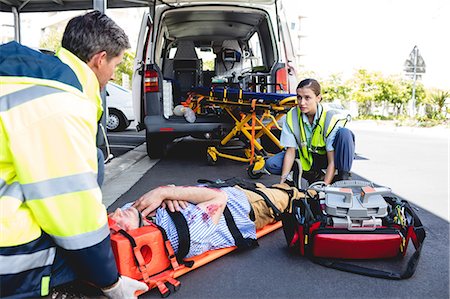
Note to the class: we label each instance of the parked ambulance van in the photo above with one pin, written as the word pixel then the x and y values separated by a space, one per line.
pixel 186 45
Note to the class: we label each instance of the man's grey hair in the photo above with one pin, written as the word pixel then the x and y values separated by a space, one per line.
pixel 92 33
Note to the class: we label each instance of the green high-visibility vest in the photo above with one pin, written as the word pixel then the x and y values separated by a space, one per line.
pixel 328 120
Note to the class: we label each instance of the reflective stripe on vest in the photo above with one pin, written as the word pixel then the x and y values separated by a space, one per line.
pixel 22 96
pixel 13 264
pixel 327 122
pixel 59 186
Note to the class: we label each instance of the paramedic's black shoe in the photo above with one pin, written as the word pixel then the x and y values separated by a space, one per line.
pixel 343 176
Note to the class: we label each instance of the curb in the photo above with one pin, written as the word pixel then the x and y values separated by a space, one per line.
pixel 123 172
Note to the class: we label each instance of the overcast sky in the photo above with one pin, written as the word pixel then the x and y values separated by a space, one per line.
pixel 378 35
pixel 344 35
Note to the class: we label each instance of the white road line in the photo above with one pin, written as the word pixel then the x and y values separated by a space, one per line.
pixel 130 136
pixel 122 146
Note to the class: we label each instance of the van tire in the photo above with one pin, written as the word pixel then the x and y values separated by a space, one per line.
pixel 156 145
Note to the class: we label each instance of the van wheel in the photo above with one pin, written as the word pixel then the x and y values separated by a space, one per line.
pixel 116 121
pixel 156 145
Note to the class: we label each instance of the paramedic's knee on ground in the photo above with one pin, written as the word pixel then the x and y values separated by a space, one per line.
pixel 275 163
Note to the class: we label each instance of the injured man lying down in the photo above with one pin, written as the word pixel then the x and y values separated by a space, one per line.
pixel 203 208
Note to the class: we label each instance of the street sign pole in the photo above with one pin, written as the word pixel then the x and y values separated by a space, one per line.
pixel 413 99
pixel 414 68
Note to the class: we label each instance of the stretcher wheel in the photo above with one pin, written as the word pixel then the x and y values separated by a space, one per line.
pixel 166 294
pixel 210 160
pixel 252 174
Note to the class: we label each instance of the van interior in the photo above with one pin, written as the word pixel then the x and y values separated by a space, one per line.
pixel 202 46
pixel 216 47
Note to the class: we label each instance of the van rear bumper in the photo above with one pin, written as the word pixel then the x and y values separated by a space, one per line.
pixel 179 126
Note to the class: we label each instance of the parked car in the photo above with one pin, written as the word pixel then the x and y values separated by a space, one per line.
pixel 120 107
pixel 338 107
pixel 186 44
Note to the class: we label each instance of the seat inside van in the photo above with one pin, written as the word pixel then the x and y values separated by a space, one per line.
pixel 228 61
pixel 186 67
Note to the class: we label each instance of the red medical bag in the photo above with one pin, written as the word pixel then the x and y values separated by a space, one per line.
pixel 333 224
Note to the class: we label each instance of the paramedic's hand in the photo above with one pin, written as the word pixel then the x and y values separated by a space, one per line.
pixel 125 288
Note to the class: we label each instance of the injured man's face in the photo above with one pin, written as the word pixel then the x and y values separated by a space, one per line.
pixel 128 219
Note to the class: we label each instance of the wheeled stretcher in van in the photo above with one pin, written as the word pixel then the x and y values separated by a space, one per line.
pixel 186 45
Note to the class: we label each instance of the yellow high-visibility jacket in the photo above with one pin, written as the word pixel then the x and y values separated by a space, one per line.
pixel 328 119
pixel 50 202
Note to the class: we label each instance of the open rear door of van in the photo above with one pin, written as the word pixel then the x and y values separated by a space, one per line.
pixel 144 40
pixel 289 54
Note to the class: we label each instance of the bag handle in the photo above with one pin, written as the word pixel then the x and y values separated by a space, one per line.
pixel 347 267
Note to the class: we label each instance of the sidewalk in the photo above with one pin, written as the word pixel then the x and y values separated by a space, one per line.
pixel 123 172
pixel 382 125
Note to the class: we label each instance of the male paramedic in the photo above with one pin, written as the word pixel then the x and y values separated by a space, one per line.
pixel 319 137
pixel 203 208
pixel 53 225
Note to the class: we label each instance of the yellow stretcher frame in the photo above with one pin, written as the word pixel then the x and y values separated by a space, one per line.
pixel 247 124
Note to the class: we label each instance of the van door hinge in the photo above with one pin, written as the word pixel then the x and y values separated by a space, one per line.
pixel 140 67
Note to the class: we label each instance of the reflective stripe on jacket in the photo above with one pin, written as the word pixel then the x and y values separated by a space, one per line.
pixel 328 119
pixel 49 196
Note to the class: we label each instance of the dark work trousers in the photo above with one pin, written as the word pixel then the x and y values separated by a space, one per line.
pixel 101 167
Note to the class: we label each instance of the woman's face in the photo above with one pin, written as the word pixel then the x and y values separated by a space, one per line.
pixel 307 100
pixel 127 219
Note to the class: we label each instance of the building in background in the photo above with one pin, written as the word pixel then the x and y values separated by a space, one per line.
pixel 36 27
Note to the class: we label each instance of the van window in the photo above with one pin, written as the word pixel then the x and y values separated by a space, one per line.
pixel 172 52
pixel 255 58
pixel 207 56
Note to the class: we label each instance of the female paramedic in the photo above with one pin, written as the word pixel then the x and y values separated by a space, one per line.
pixel 204 209
pixel 316 137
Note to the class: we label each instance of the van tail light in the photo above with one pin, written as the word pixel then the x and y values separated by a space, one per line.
pixel 282 79
pixel 151 81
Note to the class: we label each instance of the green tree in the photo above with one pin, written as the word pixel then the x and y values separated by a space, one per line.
pixel 363 89
pixel 389 92
pixel 334 88
pixel 52 39
pixel 435 101
pixel 126 67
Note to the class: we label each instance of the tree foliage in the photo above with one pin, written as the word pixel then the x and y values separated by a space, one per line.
pixel 387 95
pixel 52 40
pixel 335 89
pixel 126 67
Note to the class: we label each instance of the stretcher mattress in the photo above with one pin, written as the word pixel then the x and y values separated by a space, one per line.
pixel 235 94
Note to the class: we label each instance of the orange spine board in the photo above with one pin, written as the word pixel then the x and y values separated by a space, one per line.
pixel 149 242
pixel 211 255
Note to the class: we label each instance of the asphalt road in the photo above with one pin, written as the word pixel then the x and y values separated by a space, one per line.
pixel 122 142
pixel 388 156
pixel 414 162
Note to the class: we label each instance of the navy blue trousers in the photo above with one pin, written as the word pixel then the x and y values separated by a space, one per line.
pixel 344 153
